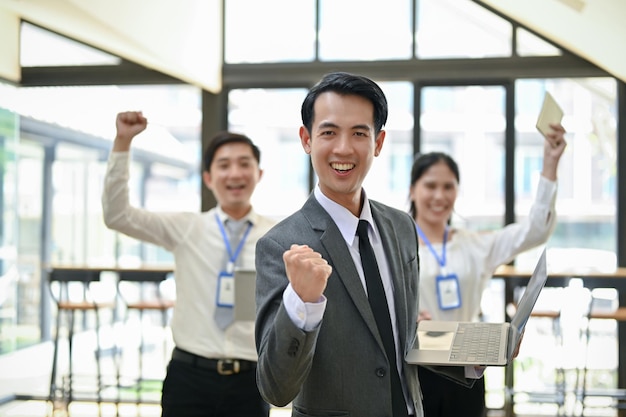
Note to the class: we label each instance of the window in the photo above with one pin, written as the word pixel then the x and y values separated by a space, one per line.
pixel 271 118
pixel 272 38
pixel 587 171
pixel 467 122
pixel 389 177
pixel 460 29
pixel 357 31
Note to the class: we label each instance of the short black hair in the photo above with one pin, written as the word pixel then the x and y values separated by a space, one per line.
pixel 223 138
pixel 344 83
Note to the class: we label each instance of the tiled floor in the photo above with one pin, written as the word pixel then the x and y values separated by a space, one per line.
pixel 26 372
pixel 41 409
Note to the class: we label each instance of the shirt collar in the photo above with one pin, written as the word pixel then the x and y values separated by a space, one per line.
pixel 251 216
pixel 343 218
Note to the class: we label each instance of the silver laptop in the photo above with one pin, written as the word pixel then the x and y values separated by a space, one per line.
pixel 477 343
pixel 245 289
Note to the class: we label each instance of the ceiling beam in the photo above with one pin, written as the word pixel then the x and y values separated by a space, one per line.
pixel 124 74
pixel 480 70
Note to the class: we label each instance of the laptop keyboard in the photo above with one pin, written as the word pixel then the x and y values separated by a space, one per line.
pixel 479 345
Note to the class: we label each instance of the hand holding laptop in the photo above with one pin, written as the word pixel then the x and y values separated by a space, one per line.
pixel 519 344
pixel 478 343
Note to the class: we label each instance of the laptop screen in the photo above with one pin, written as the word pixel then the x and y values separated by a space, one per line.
pixel 527 302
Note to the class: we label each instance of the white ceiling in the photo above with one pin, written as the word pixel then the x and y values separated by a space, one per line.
pixel 593 29
pixel 149 32
pixel 180 38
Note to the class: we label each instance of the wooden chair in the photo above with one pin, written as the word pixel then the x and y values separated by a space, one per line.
pixel 71 290
pixel 140 291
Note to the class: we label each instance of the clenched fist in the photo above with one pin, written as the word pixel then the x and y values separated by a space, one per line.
pixel 307 271
pixel 129 124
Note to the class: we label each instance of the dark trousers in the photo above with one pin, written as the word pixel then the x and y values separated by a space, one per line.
pixel 443 397
pixel 189 391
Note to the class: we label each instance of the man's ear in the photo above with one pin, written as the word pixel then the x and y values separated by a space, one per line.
pixel 305 139
pixel 206 178
pixel 380 139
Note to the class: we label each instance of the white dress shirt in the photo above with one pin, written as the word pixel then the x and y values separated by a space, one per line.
pixel 198 248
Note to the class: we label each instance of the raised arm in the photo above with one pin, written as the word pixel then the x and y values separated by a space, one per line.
pixel 129 124
pixel 553 148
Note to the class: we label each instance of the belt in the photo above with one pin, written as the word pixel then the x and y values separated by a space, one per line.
pixel 221 366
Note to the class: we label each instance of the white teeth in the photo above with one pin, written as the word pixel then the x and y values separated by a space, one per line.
pixel 342 167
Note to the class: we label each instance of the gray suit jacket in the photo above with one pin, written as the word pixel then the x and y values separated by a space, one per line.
pixel 340 368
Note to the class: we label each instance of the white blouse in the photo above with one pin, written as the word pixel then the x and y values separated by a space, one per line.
pixel 473 256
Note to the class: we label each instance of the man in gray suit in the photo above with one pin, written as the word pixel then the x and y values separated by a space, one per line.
pixel 320 345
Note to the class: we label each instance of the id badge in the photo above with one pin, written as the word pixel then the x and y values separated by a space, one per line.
pixel 448 291
pixel 225 289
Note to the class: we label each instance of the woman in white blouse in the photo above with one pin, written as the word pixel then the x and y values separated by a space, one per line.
pixel 457 264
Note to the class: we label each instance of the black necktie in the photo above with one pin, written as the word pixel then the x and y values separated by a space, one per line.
pixel 380 308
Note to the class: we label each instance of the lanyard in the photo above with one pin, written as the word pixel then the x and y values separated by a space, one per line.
pixel 442 260
pixel 232 256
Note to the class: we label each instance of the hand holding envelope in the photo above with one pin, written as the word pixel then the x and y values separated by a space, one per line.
pixel 551 114
pixel 549 124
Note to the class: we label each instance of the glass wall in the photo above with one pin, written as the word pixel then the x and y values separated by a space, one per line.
pixel 271 118
pixel 52 146
pixel 460 29
pixel 468 123
pixel 29 211
pixel 9 275
pixel 585 236
pixel 250 39
pixel 346 31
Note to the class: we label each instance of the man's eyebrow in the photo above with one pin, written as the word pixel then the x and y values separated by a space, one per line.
pixel 324 125
pixel 228 158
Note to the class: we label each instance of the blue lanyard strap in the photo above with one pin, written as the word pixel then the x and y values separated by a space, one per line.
pixel 442 260
pixel 232 256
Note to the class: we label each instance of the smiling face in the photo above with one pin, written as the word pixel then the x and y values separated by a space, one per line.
pixel 342 144
pixel 233 175
pixel 434 194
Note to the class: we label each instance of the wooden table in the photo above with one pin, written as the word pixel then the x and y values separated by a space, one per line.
pixel 514 278
pixel 104 268
pixel 47 269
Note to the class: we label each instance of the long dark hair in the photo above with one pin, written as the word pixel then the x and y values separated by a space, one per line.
pixel 423 162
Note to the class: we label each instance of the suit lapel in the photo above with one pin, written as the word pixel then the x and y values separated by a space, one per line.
pixel 338 255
